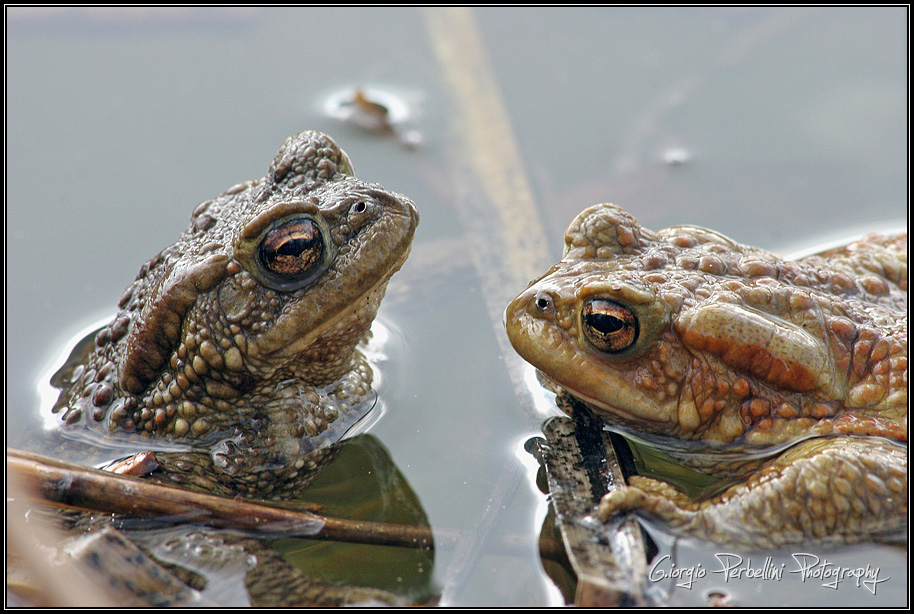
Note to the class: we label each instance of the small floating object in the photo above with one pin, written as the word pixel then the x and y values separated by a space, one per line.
pixel 674 156
pixel 373 110
pixel 138 465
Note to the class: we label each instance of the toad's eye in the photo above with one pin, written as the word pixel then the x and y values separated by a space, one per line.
pixel 608 326
pixel 292 252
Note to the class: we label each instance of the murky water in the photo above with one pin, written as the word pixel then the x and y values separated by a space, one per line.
pixel 776 126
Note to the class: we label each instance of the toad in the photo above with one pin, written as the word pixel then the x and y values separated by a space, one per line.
pixel 787 377
pixel 238 347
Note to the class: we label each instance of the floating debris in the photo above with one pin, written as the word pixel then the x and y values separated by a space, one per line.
pixel 674 156
pixel 138 465
pixel 375 111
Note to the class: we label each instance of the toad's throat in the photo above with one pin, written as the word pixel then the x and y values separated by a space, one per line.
pixel 278 344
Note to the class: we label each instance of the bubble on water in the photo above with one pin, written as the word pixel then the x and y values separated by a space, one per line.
pixel 675 156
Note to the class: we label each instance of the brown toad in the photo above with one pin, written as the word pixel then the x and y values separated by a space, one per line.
pixel 790 376
pixel 241 338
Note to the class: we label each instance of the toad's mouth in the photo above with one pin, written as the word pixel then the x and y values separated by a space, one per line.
pixel 688 451
pixel 289 345
pixel 556 353
pixel 611 414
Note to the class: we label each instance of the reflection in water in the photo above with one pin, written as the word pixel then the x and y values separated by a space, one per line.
pixel 356 480
pixel 363 483
pixel 211 566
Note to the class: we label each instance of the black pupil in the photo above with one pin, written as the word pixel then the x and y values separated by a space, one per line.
pixel 605 323
pixel 608 326
pixel 293 248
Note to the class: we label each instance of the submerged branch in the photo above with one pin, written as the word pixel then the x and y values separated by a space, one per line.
pixel 55 482
pixel 68 485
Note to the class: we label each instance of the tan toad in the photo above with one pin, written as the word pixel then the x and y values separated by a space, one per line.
pixel 241 338
pixel 790 376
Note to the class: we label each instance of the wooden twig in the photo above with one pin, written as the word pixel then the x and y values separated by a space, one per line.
pixel 65 484
pixel 69 485
pixel 610 562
